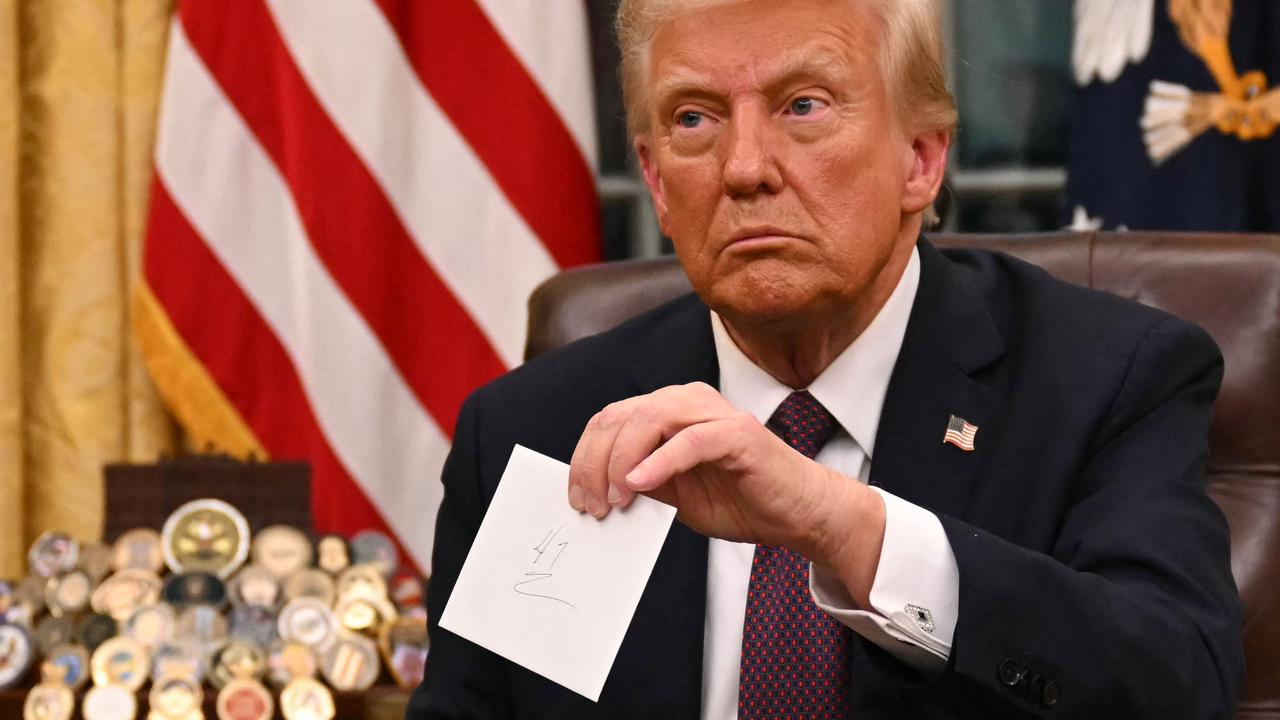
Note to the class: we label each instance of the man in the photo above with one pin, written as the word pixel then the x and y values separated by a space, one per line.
pixel 834 557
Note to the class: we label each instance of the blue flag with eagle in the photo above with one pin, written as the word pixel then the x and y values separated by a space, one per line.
pixel 1175 121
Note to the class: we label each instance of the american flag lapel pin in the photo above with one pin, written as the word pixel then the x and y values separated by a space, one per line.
pixel 960 433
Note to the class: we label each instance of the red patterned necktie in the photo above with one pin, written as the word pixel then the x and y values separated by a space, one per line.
pixel 795 658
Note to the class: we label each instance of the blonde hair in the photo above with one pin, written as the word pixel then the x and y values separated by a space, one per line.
pixel 910 57
pixel 910 60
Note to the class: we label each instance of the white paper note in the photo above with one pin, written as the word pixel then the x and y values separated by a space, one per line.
pixel 549 588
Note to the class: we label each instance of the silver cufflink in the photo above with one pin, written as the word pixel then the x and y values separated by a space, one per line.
pixel 921 617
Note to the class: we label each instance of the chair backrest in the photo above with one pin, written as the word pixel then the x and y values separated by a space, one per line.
pixel 1227 284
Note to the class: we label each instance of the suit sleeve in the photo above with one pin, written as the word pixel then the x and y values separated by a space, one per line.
pixel 463 680
pixel 1133 613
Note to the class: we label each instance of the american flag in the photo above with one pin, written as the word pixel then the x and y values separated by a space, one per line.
pixel 960 433
pixel 352 201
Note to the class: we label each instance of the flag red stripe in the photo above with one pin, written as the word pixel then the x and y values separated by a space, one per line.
pixel 352 225
pixel 188 279
pixel 509 123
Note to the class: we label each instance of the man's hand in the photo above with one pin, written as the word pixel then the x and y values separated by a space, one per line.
pixel 728 477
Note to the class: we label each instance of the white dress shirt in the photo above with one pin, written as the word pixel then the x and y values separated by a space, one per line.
pixel 917 566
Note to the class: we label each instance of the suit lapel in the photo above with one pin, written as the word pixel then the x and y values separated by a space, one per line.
pixel 659 665
pixel 950 337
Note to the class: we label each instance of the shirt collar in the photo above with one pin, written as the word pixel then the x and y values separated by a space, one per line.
pixel 852 388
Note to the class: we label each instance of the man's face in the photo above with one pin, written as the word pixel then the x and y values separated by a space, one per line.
pixel 773 157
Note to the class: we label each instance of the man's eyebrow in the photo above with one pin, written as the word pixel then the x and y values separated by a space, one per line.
pixel 682 84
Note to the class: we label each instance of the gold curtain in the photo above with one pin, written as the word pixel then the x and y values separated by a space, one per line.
pixel 79 89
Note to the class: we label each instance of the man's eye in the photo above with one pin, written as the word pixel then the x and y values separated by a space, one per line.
pixel 802 106
pixel 689 119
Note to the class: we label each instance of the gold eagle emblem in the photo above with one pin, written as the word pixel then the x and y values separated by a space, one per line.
pixel 1111 33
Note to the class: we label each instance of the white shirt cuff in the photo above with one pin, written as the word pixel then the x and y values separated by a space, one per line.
pixel 915 596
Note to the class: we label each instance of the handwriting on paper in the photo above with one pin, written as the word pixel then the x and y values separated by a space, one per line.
pixel 546 553
pixel 551 588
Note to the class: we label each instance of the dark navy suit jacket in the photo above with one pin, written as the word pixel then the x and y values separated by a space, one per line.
pixel 1094 569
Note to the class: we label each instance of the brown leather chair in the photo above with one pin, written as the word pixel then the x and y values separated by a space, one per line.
pixel 1227 284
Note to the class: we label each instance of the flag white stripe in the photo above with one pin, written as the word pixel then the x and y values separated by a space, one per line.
pixel 457 215
pixel 267 253
pixel 551 40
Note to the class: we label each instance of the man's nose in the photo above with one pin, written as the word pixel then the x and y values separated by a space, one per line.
pixel 751 154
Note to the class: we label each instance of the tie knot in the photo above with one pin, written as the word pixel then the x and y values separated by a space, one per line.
pixel 803 423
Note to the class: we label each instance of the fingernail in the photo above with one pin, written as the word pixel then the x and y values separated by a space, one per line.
pixel 575 497
pixel 594 506
pixel 633 479
pixel 615 497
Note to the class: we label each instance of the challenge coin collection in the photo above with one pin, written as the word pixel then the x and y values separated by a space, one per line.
pixel 200 607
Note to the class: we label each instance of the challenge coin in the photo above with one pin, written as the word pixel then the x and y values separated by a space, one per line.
pixel 254 585
pixel 357 613
pixel 21 615
pixel 49 701
pixel 95 559
pixel 374 548
pixel 151 625
pixel 205 535
pixel 179 658
pixel 175 696
pixel 364 580
pixel 404 646
pixel 95 629
pixel 194 588
pixel 53 553
pixel 282 550
pixel 17 653
pixel 68 593
pixel 120 661
pixel 51 672
pixel 237 659
pixel 30 592
pixel 332 555
pixel 351 664
pixel 138 549
pixel 254 623
pixel 126 591
pixel 312 583
pixel 308 621
pixel 306 699
pixel 245 699
pixel 109 702
pixel 71 662
pixel 202 625
pixel 53 631
pixel 290 659
pixel 407 590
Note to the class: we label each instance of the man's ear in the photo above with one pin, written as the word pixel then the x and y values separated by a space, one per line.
pixel 649 168
pixel 924 176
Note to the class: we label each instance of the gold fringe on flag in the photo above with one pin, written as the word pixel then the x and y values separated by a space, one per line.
pixel 186 386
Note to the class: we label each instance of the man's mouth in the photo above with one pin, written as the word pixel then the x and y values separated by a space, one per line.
pixel 760 234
